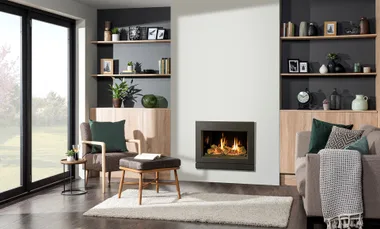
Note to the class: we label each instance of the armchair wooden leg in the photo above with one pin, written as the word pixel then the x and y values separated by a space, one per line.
pixel 140 188
pixel 109 179
pixel 87 175
pixel 177 184
pixel 104 181
pixel 121 183
pixel 157 184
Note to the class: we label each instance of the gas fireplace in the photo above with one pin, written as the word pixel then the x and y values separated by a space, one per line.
pixel 225 145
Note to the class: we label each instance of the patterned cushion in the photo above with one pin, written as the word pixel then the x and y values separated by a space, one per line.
pixel 340 138
pixel 162 162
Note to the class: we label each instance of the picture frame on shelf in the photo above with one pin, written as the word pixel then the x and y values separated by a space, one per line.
pixel 106 66
pixel 152 33
pixel 304 67
pixel 134 33
pixel 161 34
pixel 330 28
pixel 293 66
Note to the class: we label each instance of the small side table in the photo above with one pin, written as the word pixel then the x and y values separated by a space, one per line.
pixel 71 191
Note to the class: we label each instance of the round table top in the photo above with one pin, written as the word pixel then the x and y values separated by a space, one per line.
pixel 79 161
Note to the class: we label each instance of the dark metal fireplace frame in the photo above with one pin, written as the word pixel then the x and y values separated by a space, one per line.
pixel 223 163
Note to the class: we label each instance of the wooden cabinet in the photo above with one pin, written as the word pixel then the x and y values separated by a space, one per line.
pixel 293 121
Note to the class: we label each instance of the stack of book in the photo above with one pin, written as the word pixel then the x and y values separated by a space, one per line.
pixel 164 66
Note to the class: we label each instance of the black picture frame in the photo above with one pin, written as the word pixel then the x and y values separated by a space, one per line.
pixel 293 66
pixel 152 33
pixel 134 33
pixel 304 67
pixel 161 34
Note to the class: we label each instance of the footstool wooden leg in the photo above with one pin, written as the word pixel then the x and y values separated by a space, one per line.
pixel 140 188
pixel 177 183
pixel 157 185
pixel 121 183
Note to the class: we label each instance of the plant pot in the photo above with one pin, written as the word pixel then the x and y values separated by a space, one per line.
pixel 331 66
pixel 70 158
pixel 130 68
pixel 116 103
pixel 128 103
pixel 115 37
pixel 326 106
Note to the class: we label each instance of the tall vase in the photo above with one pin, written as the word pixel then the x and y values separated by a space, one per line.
pixel 335 100
pixel 364 26
pixel 331 66
pixel 303 29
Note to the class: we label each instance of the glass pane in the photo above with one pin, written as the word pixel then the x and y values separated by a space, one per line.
pixel 10 101
pixel 50 71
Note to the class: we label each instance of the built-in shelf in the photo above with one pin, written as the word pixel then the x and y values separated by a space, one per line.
pixel 129 42
pixel 327 74
pixel 131 75
pixel 359 36
pixel 330 111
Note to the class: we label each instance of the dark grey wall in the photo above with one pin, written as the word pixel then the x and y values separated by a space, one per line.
pixel 315 51
pixel 147 54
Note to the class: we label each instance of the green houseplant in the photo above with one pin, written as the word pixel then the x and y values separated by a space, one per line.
pixel 334 66
pixel 115 34
pixel 131 95
pixel 70 155
pixel 118 92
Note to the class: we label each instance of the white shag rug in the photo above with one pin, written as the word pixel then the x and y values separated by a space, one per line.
pixel 265 211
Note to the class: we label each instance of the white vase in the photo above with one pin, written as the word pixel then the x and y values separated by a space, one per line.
pixel 115 37
pixel 323 69
pixel 130 68
pixel 70 158
pixel 326 106
pixel 360 103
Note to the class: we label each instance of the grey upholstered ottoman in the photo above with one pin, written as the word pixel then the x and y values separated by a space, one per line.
pixel 158 165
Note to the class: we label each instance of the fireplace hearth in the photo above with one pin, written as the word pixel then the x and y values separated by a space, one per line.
pixel 225 145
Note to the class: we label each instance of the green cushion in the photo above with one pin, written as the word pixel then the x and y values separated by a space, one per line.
pixel 320 132
pixel 111 133
pixel 360 145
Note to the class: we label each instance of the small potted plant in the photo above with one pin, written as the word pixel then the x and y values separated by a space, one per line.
pixel 130 66
pixel 70 155
pixel 118 92
pixel 326 105
pixel 115 34
pixel 131 94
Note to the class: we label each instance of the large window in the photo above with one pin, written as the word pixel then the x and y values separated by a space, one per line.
pixel 36 97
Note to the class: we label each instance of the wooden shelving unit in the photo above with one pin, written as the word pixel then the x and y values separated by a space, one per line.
pixel 330 111
pixel 131 75
pixel 129 42
pixel 359 36
pixel 327 74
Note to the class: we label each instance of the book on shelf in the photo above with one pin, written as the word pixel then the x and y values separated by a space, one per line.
pixel 164 66
pixel 148 156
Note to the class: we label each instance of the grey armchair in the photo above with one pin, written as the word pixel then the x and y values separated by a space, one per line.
pixel 102 162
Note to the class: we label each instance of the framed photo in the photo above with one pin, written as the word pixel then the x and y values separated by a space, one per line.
pixel 304 67
pixel 293 66
pixel 152 33
pixel 106 66
pixel 134 33
pixel 330 28
pixel 161 34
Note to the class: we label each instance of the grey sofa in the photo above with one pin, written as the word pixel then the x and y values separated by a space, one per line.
pixel 307 175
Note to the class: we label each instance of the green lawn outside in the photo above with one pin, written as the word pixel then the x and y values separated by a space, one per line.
pixel 49 145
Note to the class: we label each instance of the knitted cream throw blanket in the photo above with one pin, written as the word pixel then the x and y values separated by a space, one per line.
pixel 341 188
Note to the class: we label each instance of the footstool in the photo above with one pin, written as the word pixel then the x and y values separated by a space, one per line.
pixel 149 166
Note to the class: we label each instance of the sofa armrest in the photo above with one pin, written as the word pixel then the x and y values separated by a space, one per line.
pixel 302 143
pixel 103 146
pixel 312 201
pixel 136 141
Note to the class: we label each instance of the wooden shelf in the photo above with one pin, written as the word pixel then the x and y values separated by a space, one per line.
pixel 328 74
pixel 329 111
pixel 129 42
pixel 131 75
pixel 359 36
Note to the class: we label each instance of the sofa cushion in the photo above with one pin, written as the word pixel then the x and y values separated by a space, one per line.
pixel 111 133
pixel 340 138
pixel 360 145
pixel 162 162
pixel 94 160
pixel 320 133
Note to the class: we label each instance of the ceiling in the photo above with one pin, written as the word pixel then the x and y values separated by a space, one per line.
pixel 117 4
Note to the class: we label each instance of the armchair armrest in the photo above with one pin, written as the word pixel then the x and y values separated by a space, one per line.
pixel 103 147
pixel 136 141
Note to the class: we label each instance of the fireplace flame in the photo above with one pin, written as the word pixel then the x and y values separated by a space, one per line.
pixel 224 149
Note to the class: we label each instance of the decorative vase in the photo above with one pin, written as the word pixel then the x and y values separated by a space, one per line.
pixel 360 103
pixel 70 158
pixel 335 100
pixel 331 66
pixel 326 106
pixel 107 36
pixel 290 29
pixel 323 69
pixel 116 37
pixel 339 68
pixel 357 68
pixel 364 26
pixel 128 102
pixel 312 30
pixel 130 68
pixel 149 101
pixel 116 103
pixel 303 29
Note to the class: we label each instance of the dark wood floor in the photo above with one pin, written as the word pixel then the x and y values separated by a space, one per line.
pixel 49 209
